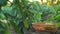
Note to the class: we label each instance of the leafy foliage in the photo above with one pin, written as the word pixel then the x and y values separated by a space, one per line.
pixel 3 2
pixel 22 13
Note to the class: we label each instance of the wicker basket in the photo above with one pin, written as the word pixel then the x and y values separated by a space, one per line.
pixel 44 27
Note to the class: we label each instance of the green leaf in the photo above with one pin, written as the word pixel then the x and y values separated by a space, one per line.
pixel 3 2
pixel 26 25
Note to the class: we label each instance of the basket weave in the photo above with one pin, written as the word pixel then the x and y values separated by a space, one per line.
pixel 43 27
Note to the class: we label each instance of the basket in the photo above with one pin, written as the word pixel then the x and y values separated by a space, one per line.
pixel 44 27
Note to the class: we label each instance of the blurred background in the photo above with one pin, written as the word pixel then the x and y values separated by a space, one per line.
pixel 18 15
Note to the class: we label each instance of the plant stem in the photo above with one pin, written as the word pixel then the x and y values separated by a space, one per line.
pixel 0 8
